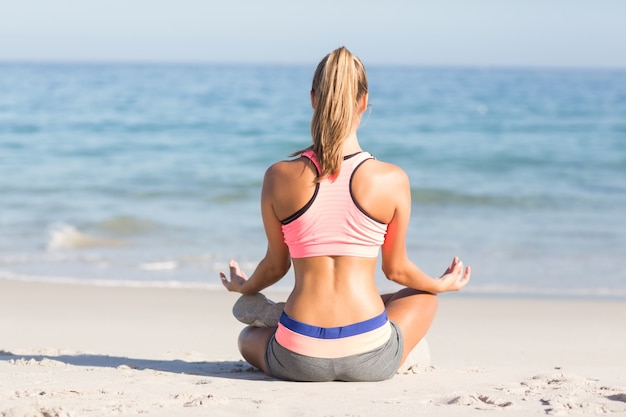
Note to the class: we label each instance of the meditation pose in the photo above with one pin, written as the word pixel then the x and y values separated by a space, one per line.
pixel 331 211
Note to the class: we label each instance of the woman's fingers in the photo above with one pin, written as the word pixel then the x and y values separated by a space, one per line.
pixel 455 262
pixel 235 270
pixel 457 269
pixel 463 278
pixel 456 275
pixel 468 273
pixel 225 281
pixel 234 267
pixel 450 268
pixel 237 277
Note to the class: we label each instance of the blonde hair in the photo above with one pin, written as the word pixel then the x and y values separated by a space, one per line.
pixel 338 84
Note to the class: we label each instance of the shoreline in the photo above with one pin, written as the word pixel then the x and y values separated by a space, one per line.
pixel 488 292
pixel 81 350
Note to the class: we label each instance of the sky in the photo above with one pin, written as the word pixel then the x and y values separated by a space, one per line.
pixel 527 33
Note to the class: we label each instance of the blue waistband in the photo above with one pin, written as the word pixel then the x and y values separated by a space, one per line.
pixel 334 332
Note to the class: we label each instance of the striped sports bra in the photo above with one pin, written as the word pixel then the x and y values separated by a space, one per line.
pixel 332 223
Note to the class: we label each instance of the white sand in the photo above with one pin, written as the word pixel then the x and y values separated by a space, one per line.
pixel 95 351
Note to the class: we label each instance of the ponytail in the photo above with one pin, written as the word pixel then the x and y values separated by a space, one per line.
pixel 338 84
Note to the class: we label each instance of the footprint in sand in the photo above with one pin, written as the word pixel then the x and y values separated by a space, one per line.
pixel 561 394
pixel 35 411
pixel 478 401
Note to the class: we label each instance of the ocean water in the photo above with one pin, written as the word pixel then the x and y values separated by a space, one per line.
pixel 150 174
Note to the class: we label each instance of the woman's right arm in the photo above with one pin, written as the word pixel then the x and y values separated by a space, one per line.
pixel 276 262
pixel 395 262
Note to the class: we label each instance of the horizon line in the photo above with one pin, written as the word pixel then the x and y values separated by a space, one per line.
pixel 375 64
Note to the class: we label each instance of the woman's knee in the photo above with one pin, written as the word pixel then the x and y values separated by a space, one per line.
pixel 412 296
pixel 425 305
pixel 249 340
pixel 245 336
pixel 412 307
pixel 252 344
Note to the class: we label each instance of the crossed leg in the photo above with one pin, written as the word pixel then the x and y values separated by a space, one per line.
pixel 412 310
pixel 252 345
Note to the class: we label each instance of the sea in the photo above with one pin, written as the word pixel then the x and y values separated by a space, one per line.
pixel 150 174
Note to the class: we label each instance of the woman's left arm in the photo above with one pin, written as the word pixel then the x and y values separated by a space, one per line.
pixel 277 261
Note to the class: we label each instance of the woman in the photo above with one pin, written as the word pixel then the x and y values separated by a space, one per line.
pixel 331 210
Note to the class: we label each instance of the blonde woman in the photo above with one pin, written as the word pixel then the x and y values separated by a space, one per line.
pixel 331 211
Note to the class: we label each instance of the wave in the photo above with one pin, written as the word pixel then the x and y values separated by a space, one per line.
pixel 424 196
pixel 159 266
pixel 517 291
pixel 7 275
pixel 127 225
pixel 65 236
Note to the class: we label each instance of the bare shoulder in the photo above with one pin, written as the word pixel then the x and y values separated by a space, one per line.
pixel 287 170
pixel 380 188
pixel 391 175
pixel 289 185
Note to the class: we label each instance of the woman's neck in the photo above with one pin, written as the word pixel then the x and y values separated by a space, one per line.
pixel 351 145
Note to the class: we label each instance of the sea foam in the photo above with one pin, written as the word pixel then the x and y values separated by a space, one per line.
pixel 65 236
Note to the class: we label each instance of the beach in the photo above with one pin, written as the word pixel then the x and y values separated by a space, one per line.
pixel 89 350
pixel 127 187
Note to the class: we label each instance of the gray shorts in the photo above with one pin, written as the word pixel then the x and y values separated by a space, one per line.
pixel 376 365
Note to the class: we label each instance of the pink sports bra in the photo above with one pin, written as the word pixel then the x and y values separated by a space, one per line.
pixel 332 223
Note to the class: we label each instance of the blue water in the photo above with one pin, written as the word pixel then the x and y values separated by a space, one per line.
pixel 151 174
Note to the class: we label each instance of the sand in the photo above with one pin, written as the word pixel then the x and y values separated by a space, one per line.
pixel 80 350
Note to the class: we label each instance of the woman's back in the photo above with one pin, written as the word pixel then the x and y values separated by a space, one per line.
pixel 330 289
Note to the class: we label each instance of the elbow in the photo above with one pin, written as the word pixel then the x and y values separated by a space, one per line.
pixel 276 266
pixel 393 273
pixel 279 268
pixel 284 268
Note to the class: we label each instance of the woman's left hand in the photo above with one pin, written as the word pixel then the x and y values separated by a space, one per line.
pixel 455 277
pixel 237 277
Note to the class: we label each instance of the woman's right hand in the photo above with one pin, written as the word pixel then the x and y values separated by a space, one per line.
pixel 237 277
pixel 455 278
